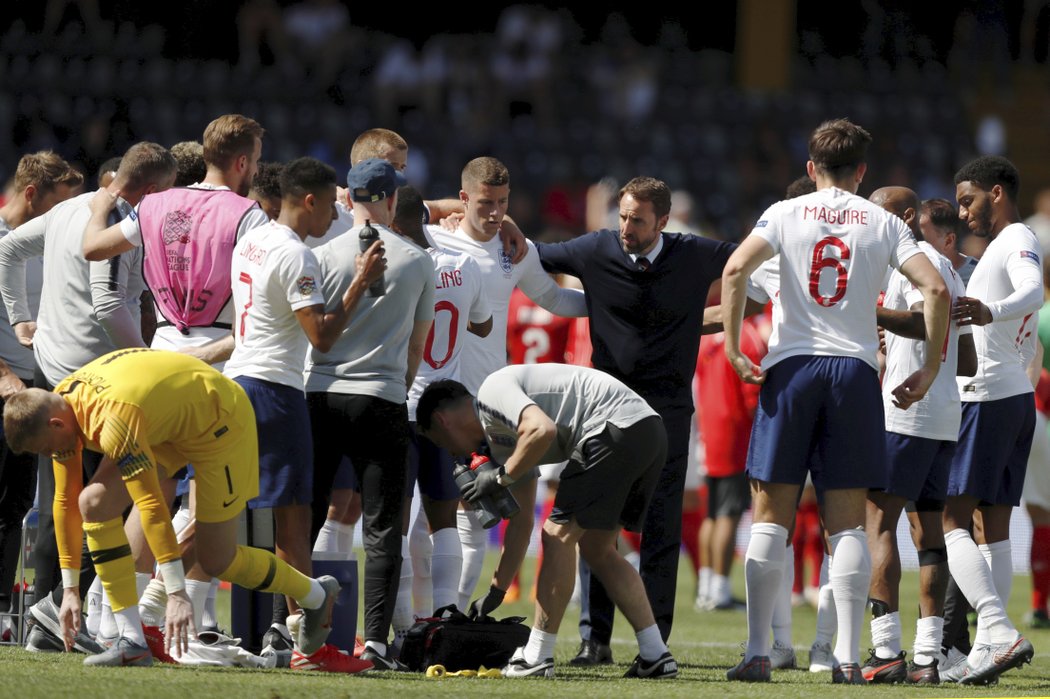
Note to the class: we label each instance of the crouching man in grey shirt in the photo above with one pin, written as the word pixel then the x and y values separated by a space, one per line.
pixel 616 445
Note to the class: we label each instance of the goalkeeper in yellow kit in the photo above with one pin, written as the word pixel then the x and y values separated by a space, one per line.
pixel 149 413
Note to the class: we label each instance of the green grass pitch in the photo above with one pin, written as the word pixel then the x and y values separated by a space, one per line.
pixel 705 645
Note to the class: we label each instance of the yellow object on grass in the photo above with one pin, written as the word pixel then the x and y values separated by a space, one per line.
pixel 439 671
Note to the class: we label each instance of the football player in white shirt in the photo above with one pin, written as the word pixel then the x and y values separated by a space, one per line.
pixel 939 223
pixel 485 196
pixel 920 443
pixel 1002 302
pixel 279 311
pixel 821 387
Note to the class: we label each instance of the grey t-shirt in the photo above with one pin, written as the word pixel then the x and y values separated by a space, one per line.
pixel 18 357
pixel 370 358
pixel 579 400
pixel 86 308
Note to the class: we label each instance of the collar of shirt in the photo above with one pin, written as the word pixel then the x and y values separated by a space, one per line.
pixel 123 207
pixel 207 185
pixel 652 254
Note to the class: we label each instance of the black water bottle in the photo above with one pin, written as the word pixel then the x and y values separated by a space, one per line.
pixel 492 508
pixel 369 235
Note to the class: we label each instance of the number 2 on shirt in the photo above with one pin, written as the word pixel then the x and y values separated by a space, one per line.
pixel 247 279
pixel 820 263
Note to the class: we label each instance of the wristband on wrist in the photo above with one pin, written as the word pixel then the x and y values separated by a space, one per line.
pixel 70 577
pixel 503 479
pixel 174 576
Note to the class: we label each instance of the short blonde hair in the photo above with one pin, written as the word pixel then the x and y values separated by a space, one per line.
pixel 45 170
pixel 485 170
pixel 229 137
pixel 25 414
pixel 375 143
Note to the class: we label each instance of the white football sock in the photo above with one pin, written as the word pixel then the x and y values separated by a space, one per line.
pixel 141 581
pixel 540 646
pixel 197 590
pixel 331 543
pixel 107 627
pixel 850 577
pixel 473 538
pixel 422 550
pixel 209 618
pixel 974 578
pixel 129 624
pixel 94 606
pixel 180 520
pixel 313 600
pixel 886 635
pixel 999 558
pixel 703 586
pixel 929 632
pixel 446 567
pixel 827 615
pixel 719 590
pixel 402 620
pixel 650 643
pixel 378 646
pixel 782 609
pixel 763 568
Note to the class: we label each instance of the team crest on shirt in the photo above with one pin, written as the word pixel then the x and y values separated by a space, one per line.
pixel 504 261
pixel 307 286
pixel 177 227
pixel 1029 255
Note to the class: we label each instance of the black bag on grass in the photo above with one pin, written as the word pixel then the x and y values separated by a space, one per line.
pixel 452 639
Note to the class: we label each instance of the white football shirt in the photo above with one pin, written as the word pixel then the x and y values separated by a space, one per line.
pixel 938 414
pixel 834 248
pixel 484 355
pixel 274 274
pixel 459 297
pixel 1009 280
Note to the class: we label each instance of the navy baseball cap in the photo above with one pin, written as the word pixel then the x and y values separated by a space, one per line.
pixel 373 180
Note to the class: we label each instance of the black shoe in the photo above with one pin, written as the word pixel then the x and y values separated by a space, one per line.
pixel 662 668
pixel 924 674
pixel 383 662
pixel 592 653
pixel 276 640
pixel 885 670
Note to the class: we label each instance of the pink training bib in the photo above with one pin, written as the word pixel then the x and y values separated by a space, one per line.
pixel 188 236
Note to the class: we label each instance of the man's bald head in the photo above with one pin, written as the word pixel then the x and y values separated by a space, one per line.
pixel 902 203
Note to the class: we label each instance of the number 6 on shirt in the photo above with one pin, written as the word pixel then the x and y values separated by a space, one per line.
pixel 820 263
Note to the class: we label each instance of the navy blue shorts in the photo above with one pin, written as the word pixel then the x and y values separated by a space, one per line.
pixel 345 477
pixel 917 468
pixel 821 415
pixel 431 466
pixel 992 457
pixel 286 453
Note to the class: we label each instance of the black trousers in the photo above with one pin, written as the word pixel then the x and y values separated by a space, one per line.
pixel 373 434
pixel 661 541
pixel 45 549
pixel 17 488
